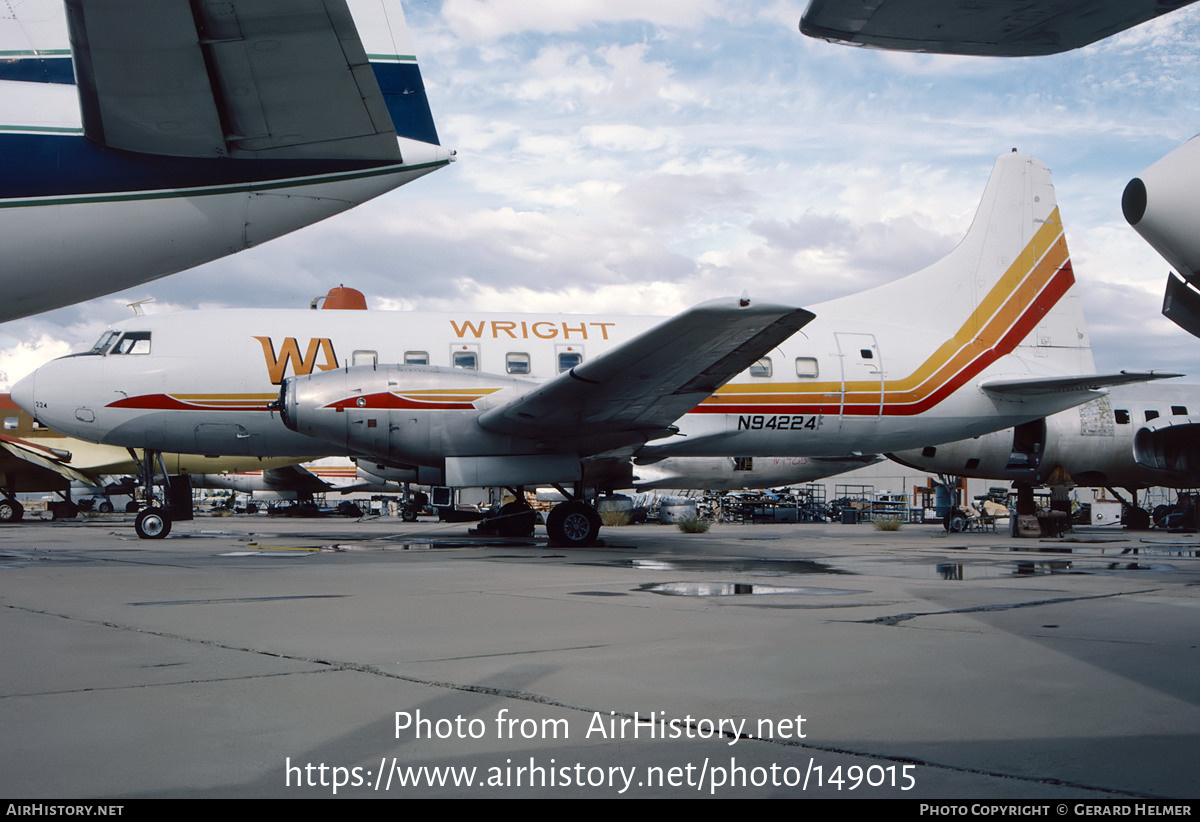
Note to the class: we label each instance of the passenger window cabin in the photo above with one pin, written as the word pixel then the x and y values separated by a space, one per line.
pixel 568 360
pixel 516 362
pixel 807 368
pixel 762 368
pixel 466 360
pixel 416 358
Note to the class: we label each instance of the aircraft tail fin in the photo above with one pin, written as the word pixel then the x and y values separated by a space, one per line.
pixel 384 32
pixel 1005 289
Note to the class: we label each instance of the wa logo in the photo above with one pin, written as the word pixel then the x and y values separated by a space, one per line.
pixel 289 354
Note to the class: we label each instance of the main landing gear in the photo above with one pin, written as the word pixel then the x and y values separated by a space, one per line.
pixel 574 523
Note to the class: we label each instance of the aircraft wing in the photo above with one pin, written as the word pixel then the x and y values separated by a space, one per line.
pixel 1012 28
pixel 243 78
pixel 48 459
pixel 652 380
pixel 1037 386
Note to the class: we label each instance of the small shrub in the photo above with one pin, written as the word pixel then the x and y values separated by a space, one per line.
pixel 614 517
pixel 887 523
pixel 694 525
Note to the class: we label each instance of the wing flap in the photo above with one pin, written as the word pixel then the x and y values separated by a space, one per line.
pixel 650 381
pixel 238 78
pixel 1039 386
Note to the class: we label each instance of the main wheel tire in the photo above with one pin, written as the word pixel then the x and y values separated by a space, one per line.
pixel 516 519
pixel 152 523
pixel 11 510
pixel 408 514
pixel 64 510
pixel 955 521
pixel 573 524
pixel 105 507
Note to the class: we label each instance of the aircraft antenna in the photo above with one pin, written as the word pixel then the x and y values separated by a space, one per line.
pixel 137 305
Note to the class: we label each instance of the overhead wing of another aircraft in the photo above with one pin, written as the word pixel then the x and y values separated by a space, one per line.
pixel 1014 28
pixel 655 378
pixel 172 132
pixel 256 78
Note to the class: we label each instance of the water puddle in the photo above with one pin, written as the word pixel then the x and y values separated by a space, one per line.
pixel 728 589
pixel 763 567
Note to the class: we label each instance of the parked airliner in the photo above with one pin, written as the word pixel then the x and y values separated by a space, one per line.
pixel 988 337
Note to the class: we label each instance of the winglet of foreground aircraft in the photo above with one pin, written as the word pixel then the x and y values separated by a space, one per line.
pixel 989 337
pixel 172 133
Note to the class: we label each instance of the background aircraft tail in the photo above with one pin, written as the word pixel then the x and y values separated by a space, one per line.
pixel 1005 289
pixel 385 38
pixel 37 47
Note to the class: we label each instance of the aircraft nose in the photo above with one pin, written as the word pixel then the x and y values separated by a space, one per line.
pixel 23 392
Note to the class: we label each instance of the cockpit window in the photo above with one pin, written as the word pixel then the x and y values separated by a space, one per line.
pixel 106 339
pixel 133 342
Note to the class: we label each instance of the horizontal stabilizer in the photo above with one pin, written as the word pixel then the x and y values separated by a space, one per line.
pixel 655 378
pixel 252 78
pixel 1039 386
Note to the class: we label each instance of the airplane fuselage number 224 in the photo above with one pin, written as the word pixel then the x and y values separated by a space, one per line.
pixel 781 422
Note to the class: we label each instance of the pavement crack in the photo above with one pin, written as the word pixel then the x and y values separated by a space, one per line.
pixel 896 619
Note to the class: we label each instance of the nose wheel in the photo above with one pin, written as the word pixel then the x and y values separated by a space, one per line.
pixel 164 505
pixel 152 523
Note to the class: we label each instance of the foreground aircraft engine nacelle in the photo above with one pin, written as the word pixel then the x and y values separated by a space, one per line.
pixel 1161 205
pixel 406 414
pixel 427 417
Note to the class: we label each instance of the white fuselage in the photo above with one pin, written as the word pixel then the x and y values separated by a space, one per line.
pixel 207 378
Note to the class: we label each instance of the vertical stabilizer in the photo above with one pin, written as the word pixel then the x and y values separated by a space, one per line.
pixel 385 37
pixel 1005 289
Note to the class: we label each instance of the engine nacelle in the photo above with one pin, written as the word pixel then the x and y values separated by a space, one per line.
pixel 1161 205
pixel 1170 445
pixel 424 416
pixel 400 414
pixel 371 471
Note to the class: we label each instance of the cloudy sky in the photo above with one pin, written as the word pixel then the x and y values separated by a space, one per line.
pixel 640 157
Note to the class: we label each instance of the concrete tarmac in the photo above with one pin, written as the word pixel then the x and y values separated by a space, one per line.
pixel 253 657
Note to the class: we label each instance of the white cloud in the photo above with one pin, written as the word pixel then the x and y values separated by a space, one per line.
pixel 476 20
pixel 23 358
